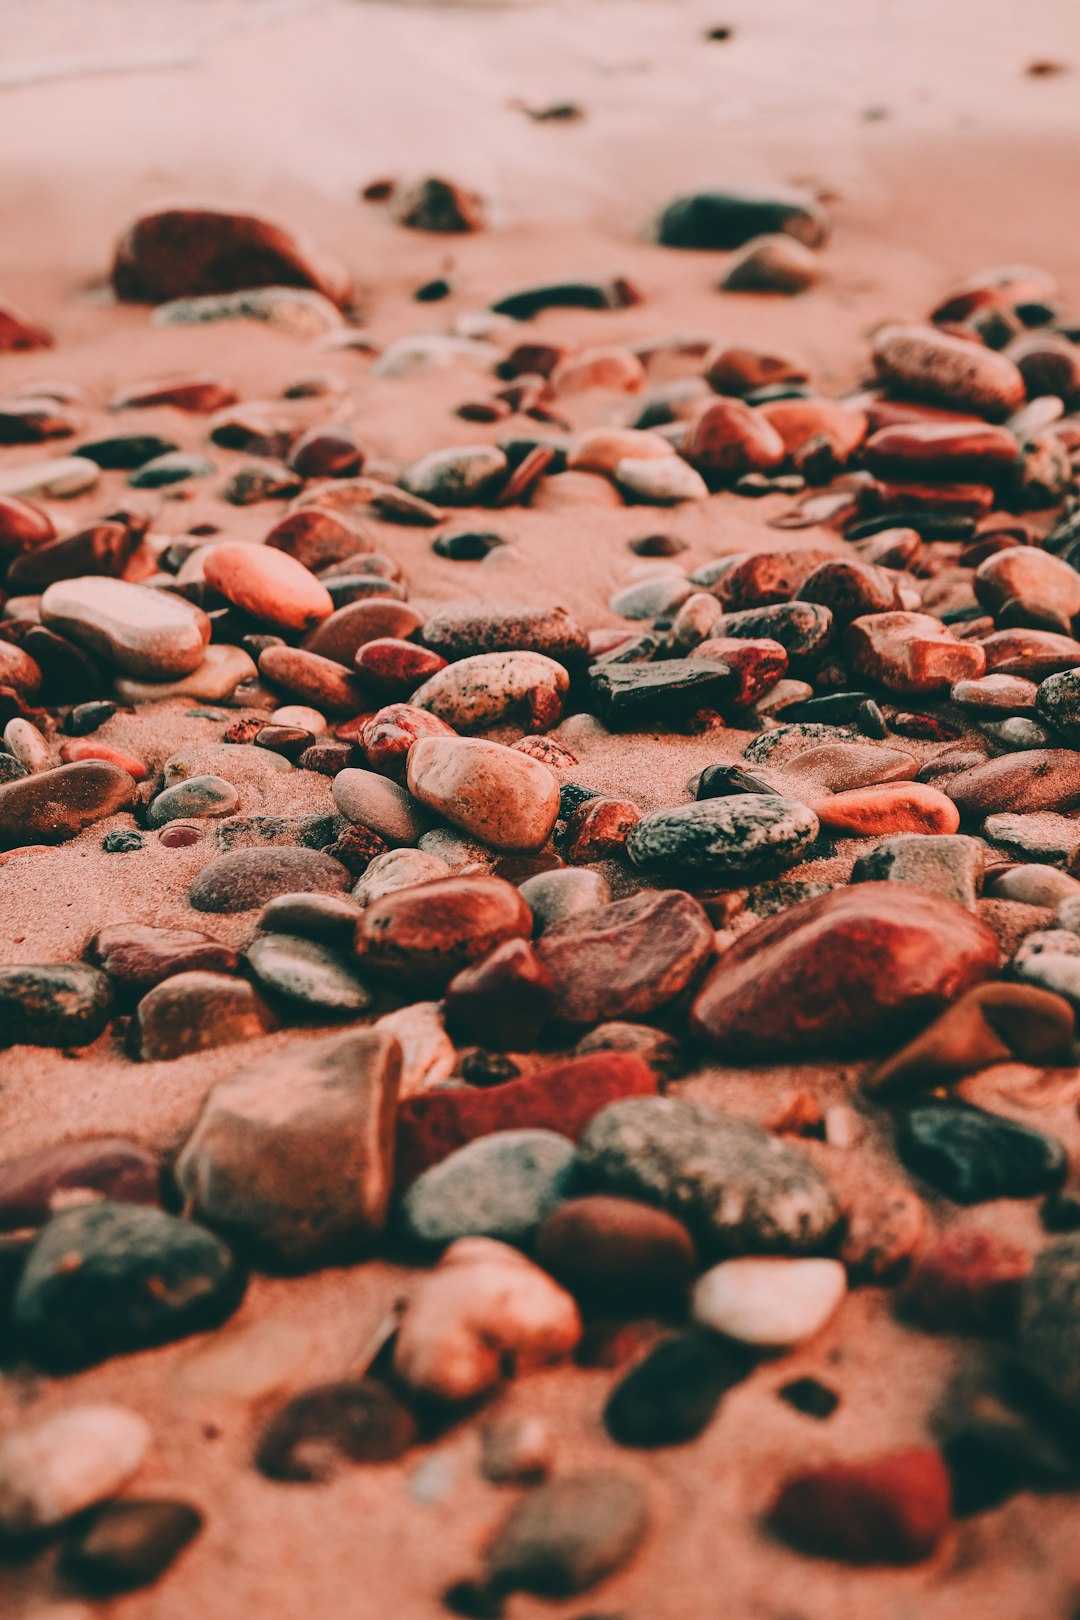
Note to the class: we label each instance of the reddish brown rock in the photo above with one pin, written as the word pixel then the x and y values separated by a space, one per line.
pixel 101 548
pixel 322 682
pixel 626 959
pixel 387 736
pixel 424 935
pixel 349 628
pixel 563 1098
pixel 54 806
pixel 798 421
pixel 767 577
pixel 22 526
pixel 199 394
pixel 1031 780
pixel 501 1002
pixel 885 1227
pixel 268 584
pixel 932 365
pixel 850 588
pixel 1033 653
pixel 397 667
pixel 736 369
pixel 18 670
pixel 993 1023
pixel 184 251
pixel 972 450
pixel 326 452
pixel 87 748
pixel 317 539
pixel 968 1281
pixel 1031 576
pixel 890 807
pixel 889 1509
pixel 755 664
pixel 846 970
pixel 137 956
pixel 727 438
pixel 617 1252
pixel 1005 287
pixel 36 1186
pixel 910 652
pixel 194 1011
pixel 18 334
pixel 598 829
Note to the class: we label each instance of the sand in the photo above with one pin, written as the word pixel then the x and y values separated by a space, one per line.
pixel 938 156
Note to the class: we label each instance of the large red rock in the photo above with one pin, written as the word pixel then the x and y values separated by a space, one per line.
pixel 850 969
pixel 889 1509
pixel 910 653
pixel 627 959
pixel 562 1098
pixel 187 250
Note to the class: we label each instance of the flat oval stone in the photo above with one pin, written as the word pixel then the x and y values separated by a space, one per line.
pixel 627 959
pixel 722 842
pixel 426 934
pixel 563 894
pixel 355 1421
pixel 1029 575
pixel 329 918
pixel 933 365
pixel 1058 702
pixel 115 1278
pixel 194 1011
pixel 462 476
pixel 137 956
pixel 460 630
pixel 350 628
pixel 129 1544
pixel 496 794
pixel 892 807
pixel 62 1464
pixel 973 1156
pixel 739 1190
pixel 851 968
pixel 54 806
pixel 245 878
pixel 38 1185
pixel 306 972
pixel 670 1396
pixel 943 449
pixel 61 477
pixel 486 689
pixel 665 482
pixel 730 216
pixel 57 1004
pixel 568 1534
pixel 664 689
pixel 1032 780
pixel 773 263
pixel 218 676
pixel 137 630
pixel 312 679
pixel 617 1251
pixel 499 1186
pixel 199 796
pixel 268 584
pixel 893 1508
pixel 374 801
pixel 772 1303
pixel 728 438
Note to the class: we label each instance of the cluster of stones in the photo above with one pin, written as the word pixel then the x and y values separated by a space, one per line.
pixel 499 1087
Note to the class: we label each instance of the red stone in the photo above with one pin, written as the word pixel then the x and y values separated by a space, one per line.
pixel 756 665
pixel 18 334
pixel 890 1509
pixel 626 959
pixel 728 438
pixel 942 448
pixel 562 1098
pixel 388 735
pixel 35 1186
pixel 397 667
pixel 969 1281
pixel 22 525
pixel 200 395
pixel 425 934
pixel 501 1002
pixel 86 748
pixel 324 452
pixel 598 829
pixel 137 956
pixel 317 539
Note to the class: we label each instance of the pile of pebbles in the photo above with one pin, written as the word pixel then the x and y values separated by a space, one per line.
pixel 503 979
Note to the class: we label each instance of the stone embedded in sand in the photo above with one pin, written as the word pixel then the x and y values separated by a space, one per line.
pixel 350 628
pixel 484 1310
pixel 770 1303
pixel 464 476
pixel 376 802
pixel 26 420
pixel 967 1281
pixel 313 976
pixel 199 796
pixel 890 807
pixel 294 1154
pixel 489 687
pixel 503 1001
pixel 59 478
pixel 613 367
pixel 261 480
pixel 996 696
pixel 463 629
pixel 174 468
pixel 773 263
pixel 721 842
pixel 739 369
pixel 500 1186
pixel 35 1186
pixel 328 918
pixel 806 424
pixel 58 1466
pixel 493 793
pixel 317 539
pixel 326 452
pixel 657 597
pixel 137 630
pixel 438 205
pixel 245 878
pixel 195 1011
pixel 18 333
pixel 56 1004
pixel 137 956
pixel 321 682
pixel 99 549
pixel 933 365
pixel 201 393
pixel 910 652
pixel 638 695
pixel 670 1396
pixel 1026 782
pixel 739 1190
pixel 188 250
pixel 268 584
pixel 522 306
pixel 973 1156
pixel 426 934
pixel 950 865
pixel 727 438
pixel 126 451
pixel 730 216
pixel 601 449
pixel 218 676
pixel 562 1097
pixel 1049 1319
pixel 128 1545
pixel 627 959
pixel 568 1534
pixel 319 1431
pixel 851 968
pixel 890 1509
pixel 562 895
pixel 617 1251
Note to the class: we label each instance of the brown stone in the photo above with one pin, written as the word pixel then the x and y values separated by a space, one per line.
pixel 617 1252
pixel 727 438
pixel 268 584
pixel 626 959
pixel 755 664
pixel 1030 780
pixel 36 1186
pixel 322 682
pixel 736 369
pixel 316 539
pixel 798 421
pixel 598 829
pixel 424 935
pixel 387 736
pixel 54 806
pixel 992 1023
pixel 889 1509
pixel 192 1012
pixel 910 652
pixel 942 449
pixel 243 879
pixel 953 371
pixel 968 1281
pixel 889 807
pixel 850 588
pixel 137 956
pixel 501 1002
pixel 1033 653
pixel 341 635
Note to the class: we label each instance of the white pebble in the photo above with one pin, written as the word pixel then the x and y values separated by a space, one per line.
pixel 51 1470
pixel 774 1303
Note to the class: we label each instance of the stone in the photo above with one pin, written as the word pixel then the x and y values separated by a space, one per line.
pixel 825 427
pixel 495 794
pixel 611 367
pixel 851 589
pixel 1050 958
pixel 660 1051
pixel 774 263
pixel 730 216
pixel 658 597
pixel 738 1189
pixel 56 1467
pixel 18 334
pixel 727 438
pixel 261 479
pixel 128 1545
pixel 489 687
pixel 951 865
pixel 946 449
pixel 992 1023
pixel 1033 780
pixel 59 478
pixel 1032 653
pixel 973 1156
pixel 111 1279
pixel 935 366
pixel 1058 703
pixel 810 1397
pixel 306 676
pixel 1049 1312
pixel 243 879
pixel 967 1281
pixel 516 1451
pixel 397 869
pixel 485 1310
pixel 561 1097
pixel 667 481
pixel 1033 885
pixel 328 918
pixel 723 842
pixel 626 959
pixel 179 252
pixel 523 305
pixel 426 933
pixel 314 977
pixel 396 668
pixel 740 369
pixel 893 1508
pixel 440 206
pixel 884 1229
pixel 910 653
pixel 389 734
pixel 137 956
pixel 175 468
pixel 220 673
pixel 503 1001
pixel 638 696
pixel 562 895
pixel 670 1396
pixel 319 1431
pixel 803 629
pixel 463 476
pixel 772 1303
pixel 194 1011
pixel 55 1004
pixel 1030 576
pixel 846 970
pixel 996 695
pixel 268 584
pixel 428 1056
pixel 326 452
pixel 316 539
pixel 197 392
pixel 37 1185
pixel 373 800
pixel 198 797
pixel 617 1253
pixel 465 630
pixel 568 1534
pixel 294 1155
pixel 499 1186
pixel 890 807
pixel 139 631
pixel 126 450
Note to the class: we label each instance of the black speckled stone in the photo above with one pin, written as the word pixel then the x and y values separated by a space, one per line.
pixel 726 842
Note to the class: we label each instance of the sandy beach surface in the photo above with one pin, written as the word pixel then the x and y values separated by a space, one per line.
pixel 937 154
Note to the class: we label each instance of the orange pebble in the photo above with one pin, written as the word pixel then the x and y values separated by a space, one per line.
pixel 889 807
pixel 86 748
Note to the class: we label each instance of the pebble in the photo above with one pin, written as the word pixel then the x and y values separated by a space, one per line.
pixel 774 263
pixel 739 1190
pixel 199 796
pixel 563 895
pixel 466 476
pixel 483 1309
pixel 328 918
pixel 424 934
pixel 57 1467
pixel 910 653
pixel 487 688
pixel 844 970
pixel 294 1155
pixel 397 869
pixel 626 959
pixel 500 1186
pixel 175 468
pixel 967 1281
pixel 110 1279
pixel 196 1010
pixel 462 630
pixel 893 1508
pixel 851 589
pixel 504 1001
pixel 438 205
pixel 495 794
pixel 128 1545
pixel 729 217
pixel 523 305
pixel 1033 885
pixel 137 956
pixel 996 695
pixel 932 365
pixel 60 478
pixel 243 879
pixel 374 801
pixel 199 392
pixel 516 1451
pixel 314 1434
pixel 727 438
pixel 659 597
pixel 890 807
pixel 771 1303
pixel 55 1004
pixel 637 696
pixel 617 1253
pixel 314 977
pixel 34 1186
pixel 312 679
pixel 803 629
pixel 1026 782
pixel 950 865
pixel 1030 576
pixel 269 585
pixel 668 481
pixel 723 842
pixel 973 1156
pixel 568 1534
pixel 1049 1314
pixel 428 1055
pixel 138 631
pixel 992 1023
pixel 222 670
